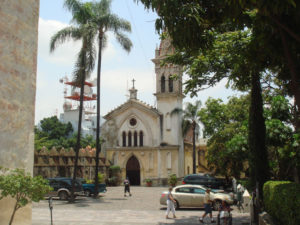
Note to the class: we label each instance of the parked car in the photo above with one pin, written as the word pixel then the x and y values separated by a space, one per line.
pixel 62 187
pixel 90 188
pixel 193 196
pixel 205 180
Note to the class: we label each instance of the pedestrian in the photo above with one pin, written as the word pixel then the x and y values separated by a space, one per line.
pixel 239 197
pixel 234 185
pixel 225 212
pixel 126 186
pixel 170 204
pixel 207 206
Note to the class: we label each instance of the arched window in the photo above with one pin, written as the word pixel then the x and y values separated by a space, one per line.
pixel 141 138
pixel 124 139
pixel 135 138
pixel 163 83
pixel 170 84
pixel 129 138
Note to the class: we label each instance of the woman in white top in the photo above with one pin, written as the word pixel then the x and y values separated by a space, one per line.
pixel 170 204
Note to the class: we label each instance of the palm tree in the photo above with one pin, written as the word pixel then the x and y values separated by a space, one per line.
pixel 86 58
pixel 102 21
pixel 190 119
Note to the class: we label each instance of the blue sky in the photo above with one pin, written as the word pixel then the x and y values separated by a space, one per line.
pixel 118 67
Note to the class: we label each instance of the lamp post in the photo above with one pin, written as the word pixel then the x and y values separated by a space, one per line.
pixel 50 207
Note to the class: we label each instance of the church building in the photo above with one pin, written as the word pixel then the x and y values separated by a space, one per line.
pixel 146 142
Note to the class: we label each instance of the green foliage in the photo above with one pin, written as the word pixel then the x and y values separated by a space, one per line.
pixel 101 178
pixel 172 180
pixel 148 181
pixel 51 127
pixel 115 168
pixel 22 187
pixel 226 125
pixel 238 40
pixel 282 201
pixel 54 133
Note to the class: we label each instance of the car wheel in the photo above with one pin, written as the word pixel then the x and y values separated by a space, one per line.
pixel 217 205
pixel 176 205
pixel 87 193
pixel 63 195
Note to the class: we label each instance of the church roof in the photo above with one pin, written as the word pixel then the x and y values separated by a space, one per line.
pixel 132 103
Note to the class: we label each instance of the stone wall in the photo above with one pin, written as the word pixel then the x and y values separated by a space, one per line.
pixel 60 163
pixel 18 59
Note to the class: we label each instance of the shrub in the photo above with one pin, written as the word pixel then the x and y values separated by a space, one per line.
pixel 101 178
pixel 22 187
pixel 282 201
pixel 112 181
pixel 115 168
pixel 172 179
pixel 148 180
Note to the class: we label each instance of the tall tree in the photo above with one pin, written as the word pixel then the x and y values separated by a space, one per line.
pixel 263 52
pixel 85 61
pixel 103 20
pixel 190 120
pixel 225 126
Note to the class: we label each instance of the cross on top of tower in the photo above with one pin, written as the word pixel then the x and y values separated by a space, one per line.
pixel 133 80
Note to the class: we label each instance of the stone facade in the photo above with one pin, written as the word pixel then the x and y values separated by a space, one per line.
pixel 18 57
pixel 60 163
pixel 148 140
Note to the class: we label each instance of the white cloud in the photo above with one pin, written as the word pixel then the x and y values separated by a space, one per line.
pixel 120 79
pixel 66 53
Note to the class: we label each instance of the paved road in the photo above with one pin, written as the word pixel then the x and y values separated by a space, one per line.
pixel 142 208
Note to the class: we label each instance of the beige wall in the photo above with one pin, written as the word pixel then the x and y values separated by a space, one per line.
pixel 154 167
pixel 201 167
pixel 18 57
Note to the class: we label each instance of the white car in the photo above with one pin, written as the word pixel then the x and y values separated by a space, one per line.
pixel 193 196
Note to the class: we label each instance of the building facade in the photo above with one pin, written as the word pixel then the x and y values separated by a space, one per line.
pixel 146 141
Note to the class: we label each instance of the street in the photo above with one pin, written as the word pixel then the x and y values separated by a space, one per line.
pixel 113 208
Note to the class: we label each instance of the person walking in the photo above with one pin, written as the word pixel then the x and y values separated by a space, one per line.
pixel 126 187
pixel 207 206
pixel 239 197
pixel 170 204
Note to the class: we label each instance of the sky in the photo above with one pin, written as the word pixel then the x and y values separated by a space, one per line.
pixel 118 66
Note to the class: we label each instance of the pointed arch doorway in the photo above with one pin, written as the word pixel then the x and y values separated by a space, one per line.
pixel 133 171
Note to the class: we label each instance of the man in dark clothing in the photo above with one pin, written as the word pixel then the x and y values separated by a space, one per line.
pixel 127 186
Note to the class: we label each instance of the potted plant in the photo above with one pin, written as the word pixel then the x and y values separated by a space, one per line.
pixel 148 182
pixel 172 180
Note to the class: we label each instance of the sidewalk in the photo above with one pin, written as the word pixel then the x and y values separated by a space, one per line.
pixel 143 208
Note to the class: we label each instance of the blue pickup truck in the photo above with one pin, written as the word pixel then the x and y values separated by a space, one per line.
pixel 90 188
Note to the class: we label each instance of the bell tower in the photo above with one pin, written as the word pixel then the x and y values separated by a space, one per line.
pixel 168 94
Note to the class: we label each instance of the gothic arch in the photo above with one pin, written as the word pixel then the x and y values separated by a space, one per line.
pixel 163 84
pixel 147 132
pixel 128 157
pixel 170 84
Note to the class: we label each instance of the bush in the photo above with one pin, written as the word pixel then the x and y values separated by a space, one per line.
pixel 101 178
pixel 172 180
pixel 113 181
pixel 115 168
pixel 22 187
pixel 282 201
pixel 148 180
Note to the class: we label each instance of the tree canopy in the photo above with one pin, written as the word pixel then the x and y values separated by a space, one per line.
pixel 53 133
pixel 226 127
